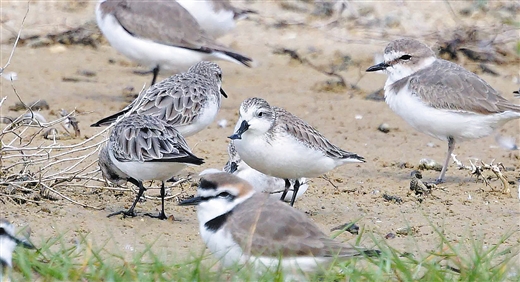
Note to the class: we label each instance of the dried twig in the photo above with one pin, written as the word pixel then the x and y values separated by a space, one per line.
pixel 478 170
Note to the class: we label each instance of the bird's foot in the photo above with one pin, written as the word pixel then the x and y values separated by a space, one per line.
pixel 160 216
pixel 438 181
pixel 129 213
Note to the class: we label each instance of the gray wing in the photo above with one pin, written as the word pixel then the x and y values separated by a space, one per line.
pixel 146 138
pixel 280 230
pixel 449 86
pixel 310 136
pixel 164 22
pixel 178 100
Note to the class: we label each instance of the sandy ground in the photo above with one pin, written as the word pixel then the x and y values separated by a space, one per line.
pixel 463 208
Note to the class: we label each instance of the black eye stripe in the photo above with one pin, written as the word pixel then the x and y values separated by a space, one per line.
pixel 230 197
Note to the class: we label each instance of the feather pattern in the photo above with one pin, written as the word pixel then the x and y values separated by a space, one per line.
pixel 144 138
pixel 308 135
pixel 448 86
pixel 279 235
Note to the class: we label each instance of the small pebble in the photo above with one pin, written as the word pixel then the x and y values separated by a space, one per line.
pixel 384 127
pixel 222 123
pixel 390 236
pixel 429 164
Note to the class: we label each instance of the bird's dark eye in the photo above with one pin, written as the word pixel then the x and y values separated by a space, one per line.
pixel 260 114
pixel 224 195
pixel 405 57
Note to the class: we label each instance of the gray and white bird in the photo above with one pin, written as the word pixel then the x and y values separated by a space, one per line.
pixel 261 182
pixel 143 147
pixel 189 101
pixel 8 243
pixel 277 143
pixel 440 98
pixel 159 34
pixel 242 226
pixel 215 17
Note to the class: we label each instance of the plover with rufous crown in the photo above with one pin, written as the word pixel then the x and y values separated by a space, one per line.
pixel 441 98
pixel 159 34
pixel 278 143
pixel 241 226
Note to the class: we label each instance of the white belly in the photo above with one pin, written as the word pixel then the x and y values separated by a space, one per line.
pixel 149 53
pixel 268 184
pixel 206 117
pixel 284 157
pixel 442 124
pixel 216 24
pixel 148 170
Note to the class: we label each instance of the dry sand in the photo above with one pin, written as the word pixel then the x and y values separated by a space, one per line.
pixel 462 209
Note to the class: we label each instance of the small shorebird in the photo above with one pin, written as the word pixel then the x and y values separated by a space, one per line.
pixel 8 243
pixel 262 183
pixel 242 226
pixel 159 34
pixel 189 101
pixel 277 143
pixel 143 147
pixel 215 17
pixel 440 98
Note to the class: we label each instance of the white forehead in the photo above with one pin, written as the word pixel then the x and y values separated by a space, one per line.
pixel 233 190
pixel 391 55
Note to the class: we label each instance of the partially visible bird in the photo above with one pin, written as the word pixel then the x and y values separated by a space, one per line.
pixel 159 34
pixel 215 17
pixel 8 243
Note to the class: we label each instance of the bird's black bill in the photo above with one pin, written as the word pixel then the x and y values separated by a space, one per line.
pixel 24 243
pixel 381 66
pixel 223 92
pixel 191 202
pixel 244 126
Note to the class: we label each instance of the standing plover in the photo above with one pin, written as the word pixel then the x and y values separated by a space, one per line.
pixel 143 147
pixel 440 98
pixel 189 101
pixel 241 226
pixel 215 17
pixel 8 243
pixel 159 34
pixel 262 183
pixel 277 143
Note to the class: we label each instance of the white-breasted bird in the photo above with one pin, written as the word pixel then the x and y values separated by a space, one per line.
pixel 159 34
pixel 441 98
pixel 278 143
pixel 143 147
pixel 8 243
pixel 189 101
pixel 242 226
